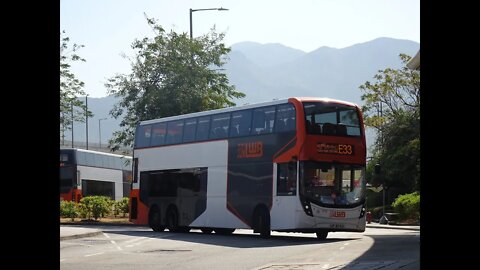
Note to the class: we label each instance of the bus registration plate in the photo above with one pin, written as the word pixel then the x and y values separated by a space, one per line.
pixel 337 226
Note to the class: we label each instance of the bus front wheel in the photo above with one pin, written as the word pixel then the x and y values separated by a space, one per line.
pixel 206 230
pixel 262 222
pixel 154 220
pixel 322 235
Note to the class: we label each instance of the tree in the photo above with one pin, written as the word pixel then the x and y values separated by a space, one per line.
pixel 392 107
pixel 171 75
pixel 71 108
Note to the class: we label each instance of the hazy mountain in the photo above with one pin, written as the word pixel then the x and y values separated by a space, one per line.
pixel 271 71
pixel 267 55
pixel 325 72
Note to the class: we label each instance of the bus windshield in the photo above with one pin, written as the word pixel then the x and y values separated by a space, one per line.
pixel 324 118
pixel 328 184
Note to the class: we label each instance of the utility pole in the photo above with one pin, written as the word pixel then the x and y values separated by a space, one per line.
pixel 378 169
pixel 71 104
pixel 86 116
pixel 100 132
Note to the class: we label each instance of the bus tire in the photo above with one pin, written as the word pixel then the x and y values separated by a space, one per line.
pixel 155 219
pixel 322 234
pixel 262 222
pixel 206 230
pixel 224 231
pixel 172 220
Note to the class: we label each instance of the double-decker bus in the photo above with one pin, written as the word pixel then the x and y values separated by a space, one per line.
pixel 91 173
pixel 292 165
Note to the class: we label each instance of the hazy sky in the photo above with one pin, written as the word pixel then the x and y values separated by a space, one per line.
pixel 107 28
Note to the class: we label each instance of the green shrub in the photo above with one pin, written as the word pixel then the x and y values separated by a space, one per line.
pixel 121 207
pixel 95 206
pixel 68 209
pixel 408 206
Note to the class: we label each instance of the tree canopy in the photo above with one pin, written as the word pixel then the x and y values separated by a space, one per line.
pixel 171 75
pixel 392 107
pixel 71 108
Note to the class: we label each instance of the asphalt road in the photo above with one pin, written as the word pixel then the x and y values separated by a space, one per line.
pixel 140 248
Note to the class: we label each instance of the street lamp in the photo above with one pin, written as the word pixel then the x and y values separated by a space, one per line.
pixel 100 132
pixel 86 117
pixel 201 9
pixel 71 104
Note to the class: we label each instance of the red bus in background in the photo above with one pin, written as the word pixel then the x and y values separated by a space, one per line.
pixel 292 165
pixel 91 173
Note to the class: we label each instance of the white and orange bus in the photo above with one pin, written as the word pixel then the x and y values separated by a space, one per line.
pixel 292 165
pixel 92 173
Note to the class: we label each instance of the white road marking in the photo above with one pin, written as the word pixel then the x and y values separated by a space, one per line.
pixel 78 244
pixel 106 235
pixel 346 244
pixel 94 254
pixel 115 244
pixel 61 260
pixel 142 242
pixel 85 245
pixel 134 240
pixel 326 266
pixel 342 248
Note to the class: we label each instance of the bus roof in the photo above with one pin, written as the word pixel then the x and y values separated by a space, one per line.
pixel 244 107
pixel 95 152
pixel 310 99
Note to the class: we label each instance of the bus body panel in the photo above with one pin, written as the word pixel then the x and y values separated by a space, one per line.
pixel 251 172
pixel 333 219
pixel 242 176
pixel 74 194
pixel 218 216
pixel 207 154
pixel 282 205
pixel 323 217
pixel 87 173
pixel 354 155
pixel 137 208
pixel 212 155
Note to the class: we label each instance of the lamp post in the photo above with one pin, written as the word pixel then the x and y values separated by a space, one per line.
pixel 86 117
pixel 100 132
pixel 201 9
pixel 71 106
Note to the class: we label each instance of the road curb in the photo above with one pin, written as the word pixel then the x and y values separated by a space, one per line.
pixel 75 236
pixel 393 227
pixel 97 224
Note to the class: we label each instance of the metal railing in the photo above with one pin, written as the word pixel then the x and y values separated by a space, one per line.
pixel 94 147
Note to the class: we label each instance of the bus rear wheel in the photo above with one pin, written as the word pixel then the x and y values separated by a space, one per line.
pixel 262 222
pixel 322 235
pixel 172 220
pixel 155 220
pixel 224 231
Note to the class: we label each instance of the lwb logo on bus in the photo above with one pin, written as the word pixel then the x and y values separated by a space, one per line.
pixel 338 214
pixel 250 150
